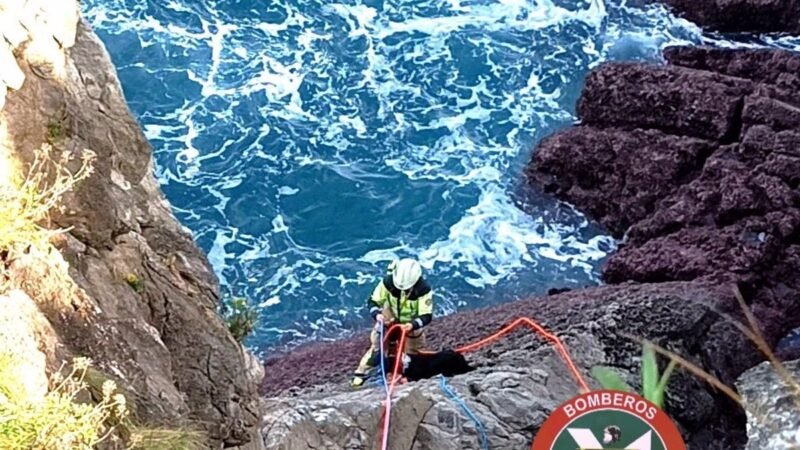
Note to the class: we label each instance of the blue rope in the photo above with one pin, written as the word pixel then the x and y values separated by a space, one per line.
pixel 457 400
pixel 383 369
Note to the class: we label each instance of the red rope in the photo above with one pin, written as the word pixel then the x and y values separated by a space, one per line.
pixel 522 321
pixel 397 360
pixel 386 413
pixel 560 348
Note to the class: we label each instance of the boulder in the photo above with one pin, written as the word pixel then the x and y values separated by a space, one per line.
pixel 773 407
pixel 780 68
pixel 673 99
pixel 640 166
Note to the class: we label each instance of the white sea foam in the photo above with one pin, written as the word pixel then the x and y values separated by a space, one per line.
pixel 278 100
pixel 272 301
pixel 217 256
pixel 494 238
pixel 287 190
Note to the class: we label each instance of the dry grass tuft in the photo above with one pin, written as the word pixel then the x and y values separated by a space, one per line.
pixel 26 202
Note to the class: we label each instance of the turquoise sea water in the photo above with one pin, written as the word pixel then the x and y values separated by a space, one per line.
pixel 306 143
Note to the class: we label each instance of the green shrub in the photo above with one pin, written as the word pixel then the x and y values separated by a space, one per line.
pixel 27 199
pixel 135 282
pixel 58 421
pixel 63 422
pixel 55 131
pixel 654 385
pixel 241 317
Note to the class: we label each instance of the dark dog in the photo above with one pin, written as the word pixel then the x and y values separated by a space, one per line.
pixel 429 365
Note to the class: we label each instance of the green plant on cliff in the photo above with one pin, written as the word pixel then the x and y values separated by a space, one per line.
pixel 82 409
pixel 240 316
pixel 26 200
pixel 137 436
pixel 58 420
pixel 150 438
pixel 654 385
pixel 55 131
pixel 135 282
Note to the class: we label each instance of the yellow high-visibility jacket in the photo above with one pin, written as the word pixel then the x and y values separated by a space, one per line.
pixel 414 306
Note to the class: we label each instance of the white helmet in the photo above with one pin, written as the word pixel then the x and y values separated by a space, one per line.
pixel 406 274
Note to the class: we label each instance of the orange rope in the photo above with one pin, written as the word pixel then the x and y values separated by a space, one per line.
pixel 560 348
pixel 398 360
pixel 386 413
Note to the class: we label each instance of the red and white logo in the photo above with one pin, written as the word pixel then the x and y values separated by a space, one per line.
pixel 608 420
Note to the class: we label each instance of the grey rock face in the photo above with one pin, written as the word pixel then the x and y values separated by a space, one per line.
pixel 510 401
pixel 27 337
pixel 519 380
pixel 776 422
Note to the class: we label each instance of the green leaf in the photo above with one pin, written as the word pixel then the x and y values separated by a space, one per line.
pixel 649 373
pixel 661 389
pixel 610 379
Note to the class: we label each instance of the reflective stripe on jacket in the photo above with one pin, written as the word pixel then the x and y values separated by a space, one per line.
pixel 404 306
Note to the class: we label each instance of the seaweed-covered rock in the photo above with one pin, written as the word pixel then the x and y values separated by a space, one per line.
pixel 742 15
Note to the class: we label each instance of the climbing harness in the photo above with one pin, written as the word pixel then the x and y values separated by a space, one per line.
pixel 522 321
pixel 463 405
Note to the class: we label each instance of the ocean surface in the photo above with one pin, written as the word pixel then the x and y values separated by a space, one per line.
pixel 307 143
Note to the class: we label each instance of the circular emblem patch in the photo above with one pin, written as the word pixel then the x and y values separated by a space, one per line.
pixel 608 420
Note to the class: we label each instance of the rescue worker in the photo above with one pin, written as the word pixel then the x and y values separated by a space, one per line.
pixel 403 297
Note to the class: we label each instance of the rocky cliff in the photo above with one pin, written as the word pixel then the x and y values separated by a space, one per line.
pixel 136 295
pixel 695 163
pixel 742 15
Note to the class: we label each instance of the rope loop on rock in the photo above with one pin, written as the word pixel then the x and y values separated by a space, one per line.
pixel 541 331
pixel 520 322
